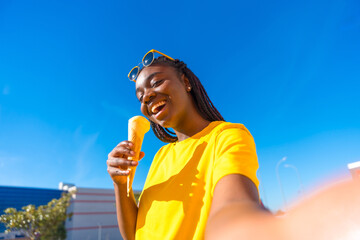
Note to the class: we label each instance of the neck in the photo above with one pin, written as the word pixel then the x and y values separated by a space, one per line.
pixel 196 124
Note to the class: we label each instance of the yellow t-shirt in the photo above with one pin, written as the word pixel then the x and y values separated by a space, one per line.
pixel 178 191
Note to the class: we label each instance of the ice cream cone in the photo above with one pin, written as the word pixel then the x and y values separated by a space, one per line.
pixel 137 128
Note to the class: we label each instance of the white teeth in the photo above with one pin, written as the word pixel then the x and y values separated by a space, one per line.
pixel 154 110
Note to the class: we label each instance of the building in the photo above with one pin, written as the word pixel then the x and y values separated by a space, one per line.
pixel 93 210
pixel 18 197
pixel 354 169
pixel 94 215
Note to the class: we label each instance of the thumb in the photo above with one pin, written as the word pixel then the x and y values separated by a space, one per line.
pixel 142 154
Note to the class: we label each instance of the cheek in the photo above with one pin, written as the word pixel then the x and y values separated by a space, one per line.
pixel 144 110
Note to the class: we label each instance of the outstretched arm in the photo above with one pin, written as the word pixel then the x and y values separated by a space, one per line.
pixel 236 205
pixel 333 213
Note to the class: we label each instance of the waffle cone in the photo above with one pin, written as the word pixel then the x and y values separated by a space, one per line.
pixel 137 128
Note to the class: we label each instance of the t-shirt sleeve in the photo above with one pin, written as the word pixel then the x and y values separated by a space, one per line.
pixel 235 154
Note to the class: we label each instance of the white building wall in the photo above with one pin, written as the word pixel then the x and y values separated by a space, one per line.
pixel 94 215
pixel 354 169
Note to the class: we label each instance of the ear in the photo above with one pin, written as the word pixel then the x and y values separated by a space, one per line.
pixel 186 83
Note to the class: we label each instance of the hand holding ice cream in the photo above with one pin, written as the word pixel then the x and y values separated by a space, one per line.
pixel 123 159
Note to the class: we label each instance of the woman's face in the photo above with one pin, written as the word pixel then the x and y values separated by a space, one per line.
pixel 163 96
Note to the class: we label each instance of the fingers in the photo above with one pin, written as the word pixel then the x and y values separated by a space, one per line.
pixel 119 167
pixel 118 163
pixel 121 162
pixel 113 172
pixel 123 150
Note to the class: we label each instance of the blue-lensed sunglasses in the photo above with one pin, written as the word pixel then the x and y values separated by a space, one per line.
pixel 146 61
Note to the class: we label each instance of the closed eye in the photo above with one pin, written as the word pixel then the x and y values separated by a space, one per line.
pixel 156 83
pixel 139 95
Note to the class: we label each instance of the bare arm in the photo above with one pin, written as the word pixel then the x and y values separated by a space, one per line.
pixel 333 213
pixel 126 211
pixel 236 205
pixel 126 208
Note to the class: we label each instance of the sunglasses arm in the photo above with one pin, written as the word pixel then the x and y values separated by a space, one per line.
pixel 153 50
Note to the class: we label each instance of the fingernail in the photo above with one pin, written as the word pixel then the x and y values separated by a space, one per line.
pixel 132 152
pixel 134 163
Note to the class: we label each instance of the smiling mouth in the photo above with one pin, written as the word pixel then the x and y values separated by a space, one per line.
pixel 158 107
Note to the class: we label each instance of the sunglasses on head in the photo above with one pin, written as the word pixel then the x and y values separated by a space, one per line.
pixel 146 61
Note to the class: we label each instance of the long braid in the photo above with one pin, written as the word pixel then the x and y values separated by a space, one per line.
pixel 201 98
pixel 163 133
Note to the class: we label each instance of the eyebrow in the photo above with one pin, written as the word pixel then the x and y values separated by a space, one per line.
pixel 149 78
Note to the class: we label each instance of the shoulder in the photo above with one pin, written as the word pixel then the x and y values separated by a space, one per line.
pixel 227 130
pixel 233 138
pixel 234 152
pixel 232 126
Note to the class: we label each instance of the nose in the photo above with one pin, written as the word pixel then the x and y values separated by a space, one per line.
pixel 149 94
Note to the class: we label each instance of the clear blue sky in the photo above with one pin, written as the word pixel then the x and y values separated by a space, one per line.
pixel 288 70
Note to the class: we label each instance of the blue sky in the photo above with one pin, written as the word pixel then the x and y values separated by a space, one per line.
pixel 288 70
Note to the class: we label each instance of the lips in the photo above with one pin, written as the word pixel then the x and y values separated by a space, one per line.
pixel 157 107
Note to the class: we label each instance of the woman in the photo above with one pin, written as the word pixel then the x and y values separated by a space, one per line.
pixel 207 169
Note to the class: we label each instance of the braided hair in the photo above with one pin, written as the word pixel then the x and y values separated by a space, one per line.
pixel 202 101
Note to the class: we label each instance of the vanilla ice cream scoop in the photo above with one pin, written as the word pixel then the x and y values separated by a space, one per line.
pixel 137 128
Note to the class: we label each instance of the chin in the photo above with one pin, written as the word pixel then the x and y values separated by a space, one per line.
pixel 168 121
pixel 165 123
